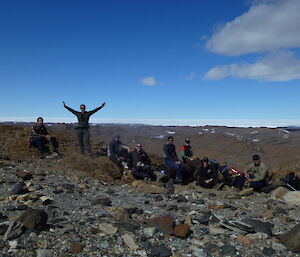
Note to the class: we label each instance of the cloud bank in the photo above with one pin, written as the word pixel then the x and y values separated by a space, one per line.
pixel 281 66
pixel 271 28
pixel 265 27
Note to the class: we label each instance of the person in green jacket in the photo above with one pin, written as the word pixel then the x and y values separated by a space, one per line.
pixel 255 174
pixel 82 128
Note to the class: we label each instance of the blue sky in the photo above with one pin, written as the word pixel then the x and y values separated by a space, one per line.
pixel 151 59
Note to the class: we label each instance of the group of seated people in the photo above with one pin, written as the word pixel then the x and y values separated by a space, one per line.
pixel 204 171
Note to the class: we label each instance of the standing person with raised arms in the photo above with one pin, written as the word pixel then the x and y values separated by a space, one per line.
pixel 82 128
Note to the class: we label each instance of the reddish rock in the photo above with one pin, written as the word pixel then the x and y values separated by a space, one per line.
pixel 75 248
pixel 164 224
pixel 182 230
pixel 244 240
pixel 24 175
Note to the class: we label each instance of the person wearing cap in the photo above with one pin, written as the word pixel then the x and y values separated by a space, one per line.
pixel 139 164
pixel 255 174
pixel 40 137
pixel 171 159
pixel 82 128
pixel 207 174
pixel 117 152
pixel 186 151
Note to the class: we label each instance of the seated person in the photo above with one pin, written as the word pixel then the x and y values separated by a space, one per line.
pixel 139 163
pixel 40 137
pixel 117 153
pixel 171 159
pixel 255 175
pixel 207 174
pixel 186 151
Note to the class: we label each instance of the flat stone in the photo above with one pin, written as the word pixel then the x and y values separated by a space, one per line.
pixel 216 230
pixel 182 230
pixel 104 201
pixel 258 236
pixel 216 206
pixel 108 228
pixel 24 175
pixel 260 226
pixel 129 241
pixel 246 192
pixel 233 196
pixel 150 189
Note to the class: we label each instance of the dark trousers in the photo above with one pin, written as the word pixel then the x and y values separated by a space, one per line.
pixel 83 135
pixel 176 167
pixel 40 143
pixel 118 163
pixel 143 172
pixel 257 185
pixel 206 185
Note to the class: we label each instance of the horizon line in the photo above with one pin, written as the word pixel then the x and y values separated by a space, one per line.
pixel 170 122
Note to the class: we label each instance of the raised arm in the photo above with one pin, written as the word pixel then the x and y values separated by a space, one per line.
pixel 69 109
pixel 97 109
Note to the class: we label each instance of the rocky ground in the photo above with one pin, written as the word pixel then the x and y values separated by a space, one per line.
pixel 87 217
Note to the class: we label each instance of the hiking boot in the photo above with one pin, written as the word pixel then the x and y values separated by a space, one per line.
pixel 170 186
pixel 147 180
pixel 178 180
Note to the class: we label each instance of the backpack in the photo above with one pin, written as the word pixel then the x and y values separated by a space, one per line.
pixel 229 174
pixel 292 181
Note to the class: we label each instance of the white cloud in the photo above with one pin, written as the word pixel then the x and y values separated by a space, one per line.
pixel 149 81
pixel 282 66
pixel 267 26
pixel 190 76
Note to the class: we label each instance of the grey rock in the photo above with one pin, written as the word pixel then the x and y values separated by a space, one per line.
pixel 18 189
pixel 268 251
pixel 228 250
pixel 291 239
pixel 260 226
pixel 160 251
pixel 44 253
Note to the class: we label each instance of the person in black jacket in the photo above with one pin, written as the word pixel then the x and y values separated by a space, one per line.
pixel 171 159
pixel 82 128
pixel 40 137
pixel 118 153
pixel 207 174
pixel 139 163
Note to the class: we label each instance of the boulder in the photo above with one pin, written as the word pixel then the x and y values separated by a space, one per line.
pixel 164 224
pixel 292 197
pixel 278 193
pixel 291 239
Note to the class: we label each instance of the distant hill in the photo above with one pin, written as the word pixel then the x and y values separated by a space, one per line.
pixel 278 147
